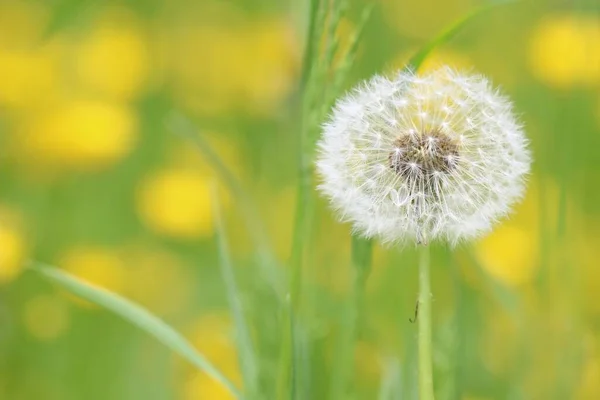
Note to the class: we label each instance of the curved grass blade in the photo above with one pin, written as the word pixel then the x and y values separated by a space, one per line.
pixel 248 359
pixel 137 316
pixel 447 34
pixel 182 126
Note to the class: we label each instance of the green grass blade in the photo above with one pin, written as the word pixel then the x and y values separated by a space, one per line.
pixel 137 316
pixel 446 35
pixel 247 354
pixel 312 41
pixel 183 127
pixel 343 69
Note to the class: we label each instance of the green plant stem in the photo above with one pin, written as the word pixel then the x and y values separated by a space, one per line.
pixel 286 378
pixel 424 318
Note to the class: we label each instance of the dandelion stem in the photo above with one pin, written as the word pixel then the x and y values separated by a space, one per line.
pixel 425 351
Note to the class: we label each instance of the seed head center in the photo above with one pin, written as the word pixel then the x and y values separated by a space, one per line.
pixel 423 155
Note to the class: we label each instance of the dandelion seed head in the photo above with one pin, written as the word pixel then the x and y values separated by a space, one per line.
pixel 421 158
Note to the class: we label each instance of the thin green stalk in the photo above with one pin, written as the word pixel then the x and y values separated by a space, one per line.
pixel 285 381
pixel 424 318
pixel 248 358
pixel 311 40
pixel 182 126
pixel 417 60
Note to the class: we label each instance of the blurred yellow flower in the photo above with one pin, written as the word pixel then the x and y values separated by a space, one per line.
pixel 510 254
pixel 12 246
pixel 247 65
pixel 29 77
pixel 29 68
pixel 113 60
pixel 80 134
pixel 565 50
pixel 46 317
pixel 212 336
pixel 176 202
pixel 100 266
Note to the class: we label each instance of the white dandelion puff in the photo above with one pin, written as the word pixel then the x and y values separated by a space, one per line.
pixel 437 156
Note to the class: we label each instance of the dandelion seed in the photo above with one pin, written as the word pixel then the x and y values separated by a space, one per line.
pixel 453 162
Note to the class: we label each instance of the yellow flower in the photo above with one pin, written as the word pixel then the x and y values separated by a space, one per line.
pixel 46 317
pixel 100 266
pixel 12 246
pixel 29 67
pixel 113 60
pixel 176 202
pixel 269 78
pixel 247 65
pixel 565 50
pixel 212 336
pixel 29 77
pixel 510 254
pixel 80 134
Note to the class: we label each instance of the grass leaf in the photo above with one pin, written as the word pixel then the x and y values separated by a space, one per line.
pixel 447 34
pixel 137 316
pixel 343 69
pixel 182 126
pixel 248 359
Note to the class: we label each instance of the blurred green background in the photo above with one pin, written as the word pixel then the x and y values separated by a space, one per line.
pixel 92 181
